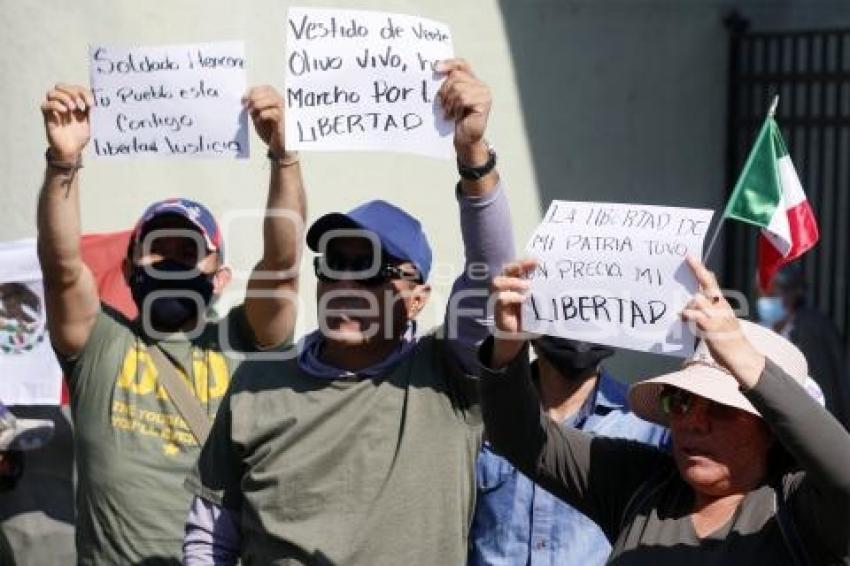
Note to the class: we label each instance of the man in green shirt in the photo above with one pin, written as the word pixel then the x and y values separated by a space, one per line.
pixel 361 451
pixel 132 445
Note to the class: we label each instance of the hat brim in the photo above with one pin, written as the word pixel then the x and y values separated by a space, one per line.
pixel 140 231
pixel 340 221
pixel 699 379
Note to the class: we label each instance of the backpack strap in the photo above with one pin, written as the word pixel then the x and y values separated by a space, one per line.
pixel 187 404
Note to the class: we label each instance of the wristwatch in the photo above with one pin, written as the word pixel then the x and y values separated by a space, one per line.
pixel 475 173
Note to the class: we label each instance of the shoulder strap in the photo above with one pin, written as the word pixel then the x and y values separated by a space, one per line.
pixel 786 526
pixel 187 404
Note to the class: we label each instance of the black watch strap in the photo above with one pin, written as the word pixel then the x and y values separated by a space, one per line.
pixel 475 173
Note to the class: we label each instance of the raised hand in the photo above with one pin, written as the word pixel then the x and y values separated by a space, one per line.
pixel 66 120
pixel 467 101
pixel 716 323
pixel 265 105
pixel 509 292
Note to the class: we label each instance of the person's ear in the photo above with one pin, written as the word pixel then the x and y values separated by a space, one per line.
pixel 418 299
pixel 222 277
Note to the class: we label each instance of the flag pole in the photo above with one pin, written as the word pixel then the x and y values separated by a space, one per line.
pixel 713 240
pixel 771 112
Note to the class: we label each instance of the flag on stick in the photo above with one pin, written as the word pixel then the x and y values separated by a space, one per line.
pixel 769 195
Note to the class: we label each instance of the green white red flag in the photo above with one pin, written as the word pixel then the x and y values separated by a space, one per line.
pixel 769 195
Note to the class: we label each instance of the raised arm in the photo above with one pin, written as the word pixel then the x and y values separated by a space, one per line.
pixel 270 303
pixel 596 475
pixel 484 213
pixel 70 291
pixel 820 496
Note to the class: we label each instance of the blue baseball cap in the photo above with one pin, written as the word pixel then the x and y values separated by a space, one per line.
pixel 400 234
pixel 196 213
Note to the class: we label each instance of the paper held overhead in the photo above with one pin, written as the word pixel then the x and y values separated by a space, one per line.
pixel 358 80
pixel 615 274
pixel 169 101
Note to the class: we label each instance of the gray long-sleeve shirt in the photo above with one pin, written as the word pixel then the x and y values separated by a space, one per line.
pixel 635 493
pixel 213 532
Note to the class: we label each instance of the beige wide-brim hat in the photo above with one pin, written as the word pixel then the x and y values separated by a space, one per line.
pixel 703 376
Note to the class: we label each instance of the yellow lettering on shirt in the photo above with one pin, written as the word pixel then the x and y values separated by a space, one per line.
pixel 140 376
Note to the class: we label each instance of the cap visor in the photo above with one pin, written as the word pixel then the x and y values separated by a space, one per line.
pixel 191 224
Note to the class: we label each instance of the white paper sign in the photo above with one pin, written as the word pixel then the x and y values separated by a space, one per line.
pixel 29 372
pixel 615 274
pixel 170 101
pixel 359 80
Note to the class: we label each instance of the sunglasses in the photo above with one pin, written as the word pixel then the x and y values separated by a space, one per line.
pixel 362 270
pixel 677 402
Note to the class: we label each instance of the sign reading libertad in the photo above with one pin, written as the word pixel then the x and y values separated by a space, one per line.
pixel 172 101
pixel 361 80
pixel 615 274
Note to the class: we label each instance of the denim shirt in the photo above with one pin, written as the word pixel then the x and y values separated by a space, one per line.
pixel 518 523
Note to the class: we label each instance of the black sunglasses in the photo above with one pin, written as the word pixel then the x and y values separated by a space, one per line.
pixel 675 401
pixel 361 270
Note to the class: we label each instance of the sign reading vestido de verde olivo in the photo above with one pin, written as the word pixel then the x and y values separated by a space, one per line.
pixel 358 80
pixel 615 274
pixel 169 101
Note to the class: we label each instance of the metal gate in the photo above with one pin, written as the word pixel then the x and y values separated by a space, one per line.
pixel 810 71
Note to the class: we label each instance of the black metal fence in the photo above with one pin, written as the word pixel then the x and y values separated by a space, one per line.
pixel 810 71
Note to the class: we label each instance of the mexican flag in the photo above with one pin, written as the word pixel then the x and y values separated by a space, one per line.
pixel 769 195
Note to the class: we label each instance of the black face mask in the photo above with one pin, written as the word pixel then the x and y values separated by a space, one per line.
pixel 574 360
pixel 171 313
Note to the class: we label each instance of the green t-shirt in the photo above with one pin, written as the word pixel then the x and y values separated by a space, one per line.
pixel 354 472
pixel 133 449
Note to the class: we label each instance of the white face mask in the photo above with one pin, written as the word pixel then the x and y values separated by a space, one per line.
pixel 771 311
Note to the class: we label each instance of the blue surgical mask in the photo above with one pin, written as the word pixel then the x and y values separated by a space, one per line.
pixel 771 311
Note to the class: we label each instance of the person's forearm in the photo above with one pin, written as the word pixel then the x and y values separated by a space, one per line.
pixel 212 535
pixel 488 245
pixel 58 221
pixel 505 350
pixel 270 305
pixel 286 209
pixel 814 437
pixel 511 410
pixel 476 155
